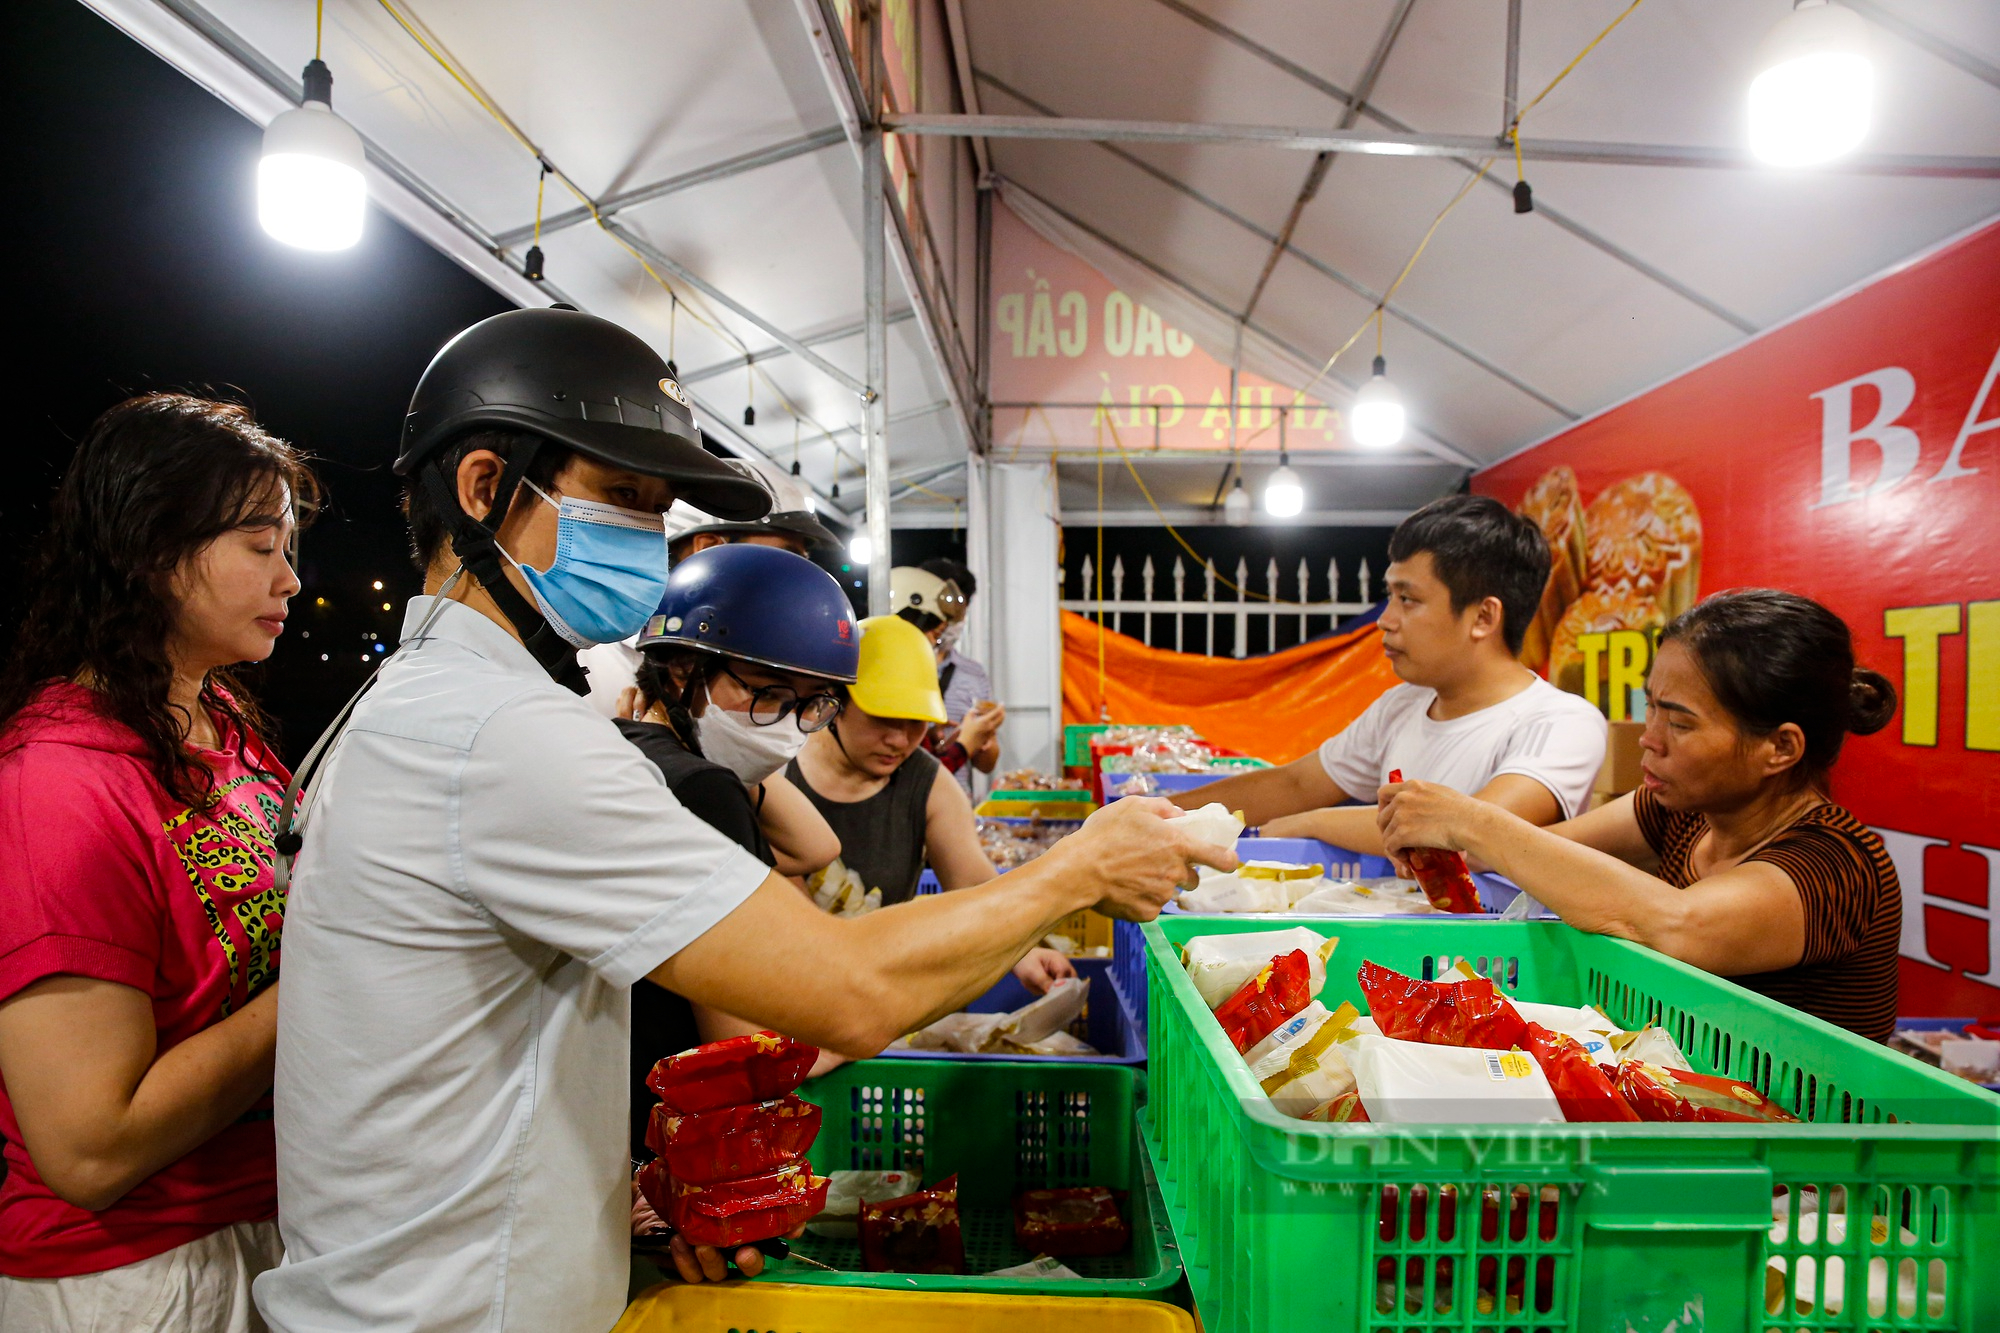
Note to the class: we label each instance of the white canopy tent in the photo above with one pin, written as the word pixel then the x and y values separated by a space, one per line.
pixel 1257 172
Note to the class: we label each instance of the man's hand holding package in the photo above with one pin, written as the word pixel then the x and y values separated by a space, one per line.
pixel 1425 814
pixel 1140 858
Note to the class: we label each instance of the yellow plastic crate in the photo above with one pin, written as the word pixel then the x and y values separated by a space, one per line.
pixel 674 1307
pixel 1089 928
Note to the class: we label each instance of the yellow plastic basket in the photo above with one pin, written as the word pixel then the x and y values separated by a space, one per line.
pixel 673 1307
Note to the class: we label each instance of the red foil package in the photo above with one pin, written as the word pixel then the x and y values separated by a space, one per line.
pixel 1441 874
pixel 1080 1222
pixel 735 1212
pixel 1443 1013
pixel 1581 1087
pixel 706 1146
pixel 1346 1109
pixel 1257 1008
pixel 1679 1096
pixel 918 1233
pixel 753 1068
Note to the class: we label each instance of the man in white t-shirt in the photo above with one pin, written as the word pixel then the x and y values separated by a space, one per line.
pixel 1465 577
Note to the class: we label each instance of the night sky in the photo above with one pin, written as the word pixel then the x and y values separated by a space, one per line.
pixel 138 264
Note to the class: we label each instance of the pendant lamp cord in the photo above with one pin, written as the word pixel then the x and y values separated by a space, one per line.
pixel 319 24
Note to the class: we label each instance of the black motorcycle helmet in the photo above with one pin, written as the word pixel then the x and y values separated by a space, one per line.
pixel 584 383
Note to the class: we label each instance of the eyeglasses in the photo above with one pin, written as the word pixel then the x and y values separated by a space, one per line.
pixel 771 704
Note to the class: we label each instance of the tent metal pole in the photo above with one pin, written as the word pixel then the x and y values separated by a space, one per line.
pixel 686 180
pixel 1316 174
pixel 1314 139
pixel 759 355
pixel 1511 91
pixel 656 257
pixel 874 260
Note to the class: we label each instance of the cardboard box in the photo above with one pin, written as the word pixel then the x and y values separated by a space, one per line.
pixel 1620 773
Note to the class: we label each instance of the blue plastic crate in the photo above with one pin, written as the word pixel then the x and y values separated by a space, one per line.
pixel 1108 1023
pixel 1164 784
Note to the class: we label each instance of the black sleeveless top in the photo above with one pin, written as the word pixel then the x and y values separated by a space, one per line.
pixel 663 1022
pixel 881 838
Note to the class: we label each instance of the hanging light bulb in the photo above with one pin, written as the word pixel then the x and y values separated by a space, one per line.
pixel 310 190
pixel 1284 493
pixel 861 549
pixel 1378 419
pixel 1814 90
pixel 1236 508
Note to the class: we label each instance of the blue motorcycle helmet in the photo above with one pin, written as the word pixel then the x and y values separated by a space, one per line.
pixel 758 604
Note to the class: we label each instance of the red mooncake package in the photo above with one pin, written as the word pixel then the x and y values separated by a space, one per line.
pixel 1443 1013
pixel 1441 874
pixel 1579 1082
pixel 917 1233
pixel 735 1212
pixel 1678 1095
pixel 703 1147
pixel 1084 1221
pixel 1256 1009
pixel 753 1068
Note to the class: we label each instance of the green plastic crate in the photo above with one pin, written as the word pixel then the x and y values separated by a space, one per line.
pixel 1577 1228
pixel 1003 1127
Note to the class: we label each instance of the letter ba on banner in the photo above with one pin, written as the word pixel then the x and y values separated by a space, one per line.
pixel 1853 455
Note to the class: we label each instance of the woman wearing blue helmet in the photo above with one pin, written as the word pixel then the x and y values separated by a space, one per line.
pixel 745 656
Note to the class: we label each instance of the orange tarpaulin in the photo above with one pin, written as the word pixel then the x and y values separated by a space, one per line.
pixel 1277 707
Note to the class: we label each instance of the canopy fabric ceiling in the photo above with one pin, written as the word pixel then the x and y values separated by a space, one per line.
pixel 1510 326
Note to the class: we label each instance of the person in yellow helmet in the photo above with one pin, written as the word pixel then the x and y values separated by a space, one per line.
pixel 893 806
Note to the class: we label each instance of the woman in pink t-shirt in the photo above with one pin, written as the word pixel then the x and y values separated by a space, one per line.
pixel 139 919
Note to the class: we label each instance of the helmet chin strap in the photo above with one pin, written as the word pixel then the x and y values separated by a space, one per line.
pixel 473 542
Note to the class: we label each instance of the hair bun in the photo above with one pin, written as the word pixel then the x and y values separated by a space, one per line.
pixel 1871 702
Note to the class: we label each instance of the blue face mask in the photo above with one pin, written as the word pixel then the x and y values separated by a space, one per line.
pixel 609 574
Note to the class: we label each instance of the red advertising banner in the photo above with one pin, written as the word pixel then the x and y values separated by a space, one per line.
pixel 1077 360
pixel 1851 454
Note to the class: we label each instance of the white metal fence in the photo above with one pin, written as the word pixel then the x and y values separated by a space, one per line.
pixel 1238 610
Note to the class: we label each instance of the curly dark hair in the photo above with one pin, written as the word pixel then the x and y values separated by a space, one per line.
pixel 154 480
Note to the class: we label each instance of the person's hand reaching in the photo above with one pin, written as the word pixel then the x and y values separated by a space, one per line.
pixel 980 724
pixel 1040 969
pixel 1138 857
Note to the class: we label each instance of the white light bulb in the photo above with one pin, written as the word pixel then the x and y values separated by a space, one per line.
pixel 1814 91
pixel 1284 495
pixel 1377 418
pixel 861 550
pixel 310 190
pixel 1236 508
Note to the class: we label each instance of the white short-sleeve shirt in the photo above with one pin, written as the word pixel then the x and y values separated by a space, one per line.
pixel 1543 733
pixel 487 869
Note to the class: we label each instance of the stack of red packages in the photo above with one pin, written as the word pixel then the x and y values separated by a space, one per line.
pixel 731 1140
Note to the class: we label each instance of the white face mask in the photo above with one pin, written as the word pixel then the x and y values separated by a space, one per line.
pixel 949 639
pixel 751 752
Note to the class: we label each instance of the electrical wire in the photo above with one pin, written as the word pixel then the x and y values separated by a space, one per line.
pixel 1514 126
pixel 449 64
pixel 319 24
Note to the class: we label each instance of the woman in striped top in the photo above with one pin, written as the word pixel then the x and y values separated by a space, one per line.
pixel 1730 856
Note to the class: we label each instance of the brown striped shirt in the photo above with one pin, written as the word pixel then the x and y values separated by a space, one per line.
pixel 1853 909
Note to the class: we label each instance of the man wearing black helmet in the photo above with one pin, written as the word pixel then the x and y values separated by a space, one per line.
pixel 486 867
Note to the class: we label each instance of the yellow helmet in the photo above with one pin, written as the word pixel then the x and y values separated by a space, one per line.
pixel 898 675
